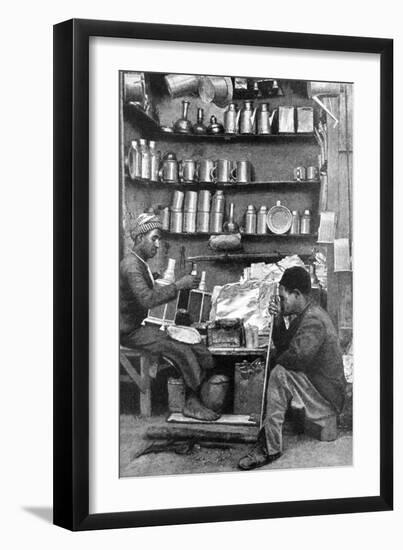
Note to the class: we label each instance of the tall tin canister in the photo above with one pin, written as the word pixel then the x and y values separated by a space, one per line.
pixel 165 219
pixel 176 221
pixel 250 220
pixel 176 394
pixel 261 225
pixel 189 221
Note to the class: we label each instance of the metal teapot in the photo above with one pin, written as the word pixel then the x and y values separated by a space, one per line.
pixel 264 119
pixel 246 118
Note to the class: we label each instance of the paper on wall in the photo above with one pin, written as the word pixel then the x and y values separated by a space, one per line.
pixel 342 259
pixel 327 227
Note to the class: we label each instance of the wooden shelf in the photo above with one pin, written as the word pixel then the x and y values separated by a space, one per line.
pixel 237 352
pixel 137 115
pixel 244 257
pixel 245 236
pixel 277 185
pixel 234 138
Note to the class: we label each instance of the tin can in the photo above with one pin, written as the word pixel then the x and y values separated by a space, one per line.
pixel 202 222
pixel 312 173
pixel 295 224
pixel 165 219
pixel 177 200
pixel 216 221
pixel 145 159
pixel 203 201
pixel 250 220
pixel 217 204
pixel 189 221
pixel 176 394
pixel 190 201
pixel 261 225
pixel 306 223
pixel 176 221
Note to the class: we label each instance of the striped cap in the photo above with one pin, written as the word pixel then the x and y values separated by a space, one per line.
pixel 145 223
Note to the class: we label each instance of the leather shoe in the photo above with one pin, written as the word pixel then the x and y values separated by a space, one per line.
pixel 256 458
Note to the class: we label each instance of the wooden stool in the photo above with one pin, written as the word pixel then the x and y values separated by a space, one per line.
pixel 324 429
pixel 142 380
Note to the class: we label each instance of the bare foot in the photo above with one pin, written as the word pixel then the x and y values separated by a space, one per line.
pixel 194 409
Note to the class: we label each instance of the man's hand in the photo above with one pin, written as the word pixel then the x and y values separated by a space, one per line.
pixel 274 306
pixel 187 282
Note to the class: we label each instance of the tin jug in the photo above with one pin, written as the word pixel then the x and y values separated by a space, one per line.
pixel 169 170
pixel 264 119
pixel 231 119
pixel 246 118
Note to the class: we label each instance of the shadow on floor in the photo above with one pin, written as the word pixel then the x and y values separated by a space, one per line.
pixel 44 513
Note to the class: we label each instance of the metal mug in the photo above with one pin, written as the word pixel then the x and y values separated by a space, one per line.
pixel 300 173
pixel 205 170
pixel 188 170
pixel 242 173
pixel 169 171
pixel 312 173
pixel 222 171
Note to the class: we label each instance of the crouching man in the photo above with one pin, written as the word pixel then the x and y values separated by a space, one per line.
pixel 309 369
pixel 138 294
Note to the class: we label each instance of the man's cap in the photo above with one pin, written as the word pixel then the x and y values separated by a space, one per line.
pixel 145 223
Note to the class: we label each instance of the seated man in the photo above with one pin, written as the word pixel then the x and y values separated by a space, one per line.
pixel 309 368
pixel 139 293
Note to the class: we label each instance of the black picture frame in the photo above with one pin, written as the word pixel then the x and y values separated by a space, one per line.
pixel 71 274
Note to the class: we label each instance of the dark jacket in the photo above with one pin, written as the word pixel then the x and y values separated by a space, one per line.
pixel 138 293
pixel 311 345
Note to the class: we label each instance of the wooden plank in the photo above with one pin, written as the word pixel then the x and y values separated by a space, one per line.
pixel 230 434
pixel 237 351
pixel 349 121
pixel 236 419
pixel 131 371
pixel 343 218
pixel 345 315
pixel 332 287
pixel 333 166
pixel 145 395
pixel 343 119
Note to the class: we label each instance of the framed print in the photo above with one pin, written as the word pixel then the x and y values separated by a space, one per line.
pixel 223 218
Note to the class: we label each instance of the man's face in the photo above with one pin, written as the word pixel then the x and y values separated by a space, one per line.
pixel 288 301
pixel 150 243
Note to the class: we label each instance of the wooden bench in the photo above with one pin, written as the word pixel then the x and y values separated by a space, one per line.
pixel 142 379
pixel 149 366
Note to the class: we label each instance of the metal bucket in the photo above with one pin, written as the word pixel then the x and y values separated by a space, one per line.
pixel 216 89
pixel 181 84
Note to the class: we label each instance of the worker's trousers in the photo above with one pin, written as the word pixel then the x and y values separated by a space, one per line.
pixel 290 388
